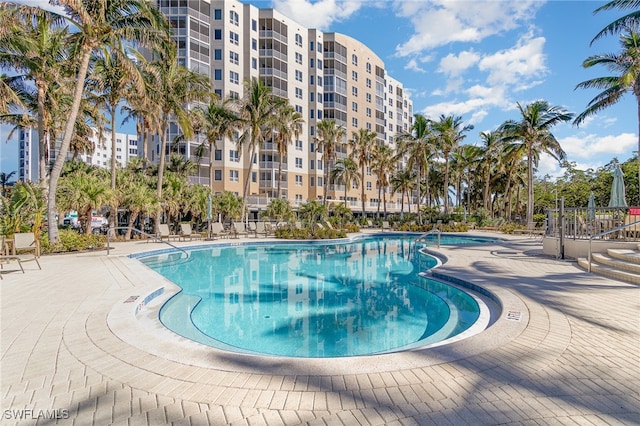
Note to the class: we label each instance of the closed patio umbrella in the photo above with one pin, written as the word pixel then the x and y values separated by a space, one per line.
pixel 591 207
pixel 617 189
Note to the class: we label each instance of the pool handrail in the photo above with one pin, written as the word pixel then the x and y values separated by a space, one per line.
pixel 603 233
pixel 146 235
pixel 435 229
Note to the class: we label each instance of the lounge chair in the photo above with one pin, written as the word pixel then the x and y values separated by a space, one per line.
pixel 6 256
pixel 165 232
pixel 239 229
pixel 27 247
pixel 264 229
pixel 386 226
pixel 187 232
pixel 217 230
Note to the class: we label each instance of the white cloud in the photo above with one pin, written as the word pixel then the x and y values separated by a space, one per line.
pixel 413 65
pixel 524 61
pixel 319 14
pixel 454 65
pixel 440 22
pixel 589 146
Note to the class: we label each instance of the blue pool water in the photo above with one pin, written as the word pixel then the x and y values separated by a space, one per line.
pixel 313 299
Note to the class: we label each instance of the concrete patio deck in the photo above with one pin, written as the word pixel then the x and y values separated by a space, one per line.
pixel 565 350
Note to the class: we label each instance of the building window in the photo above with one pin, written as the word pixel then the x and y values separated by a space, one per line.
pixel 298 58
pixel 299 109
pixel 368 82
pixel 234 77
pixel 298 163
pixel 254 177
pixel 312 79
pixel 234 58
pixel 354 91
pixel 217 54
pixel 234 95
pixel 217 14
pixel 217 155
pixel 368 97
pixel 311 46
pixel 368 112
pixel 254 44
pixel 298 40
pixel 312 113
pixel 234 37
pixel 312 96
pixel 254 63
pixel 319 165
pixel 217 74
pixel 312 164
pixel 368 67
pixel 368 186
pixel 319 178
pixel 217 34
pixel 254 25
pixel 298 75
pixel 233 17
pixel 298 93
pixel 233 175
pixel 312 181
pixel 354 59
pixel 234 156
pixel 319 63
pixel 298 145
pixel 298 180
pixel 354 122
pixel 354 75
pixel 354 106
pixel 217 175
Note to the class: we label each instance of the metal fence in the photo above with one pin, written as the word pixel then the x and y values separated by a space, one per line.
pixel 584 223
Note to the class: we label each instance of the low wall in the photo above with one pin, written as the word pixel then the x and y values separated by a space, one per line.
pixel 574 249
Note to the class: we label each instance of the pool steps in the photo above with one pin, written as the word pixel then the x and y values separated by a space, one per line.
pixel 620 264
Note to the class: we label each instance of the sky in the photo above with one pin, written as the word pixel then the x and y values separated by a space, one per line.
pixel 478 59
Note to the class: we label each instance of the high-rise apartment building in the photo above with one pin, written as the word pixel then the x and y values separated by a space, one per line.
pixel 323 75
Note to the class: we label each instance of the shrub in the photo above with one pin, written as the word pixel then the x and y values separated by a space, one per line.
pixel 72 241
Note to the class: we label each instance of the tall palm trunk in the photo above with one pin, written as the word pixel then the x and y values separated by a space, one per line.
pixel 161 163
pixel 419 186
pixel 246 183
pixel 56 170
pixel 530 186
pixel 362 190
pixel 42 142
pixel 326 180
pixel 132 219
pixel 211 170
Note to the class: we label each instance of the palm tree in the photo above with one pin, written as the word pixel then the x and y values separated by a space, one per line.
pixel 623 23
pixel 257 110
pixel 178 87
pixel 418 145
pixel 345 172
pixel 217 120
pixel 467 157
pixel 4 180
pixel 626 68
pixel 98 23
pixel 139 198
pixel 361 146
pixel 449 133
pixel 288 125
pixel 11 89
pixel 112 77
pixel 84 190
pixel 403 181
pixel 383 163
pixel 36 48
pixel 534 132
pixel 330 134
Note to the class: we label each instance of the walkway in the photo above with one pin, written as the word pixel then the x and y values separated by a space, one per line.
pixel 565 350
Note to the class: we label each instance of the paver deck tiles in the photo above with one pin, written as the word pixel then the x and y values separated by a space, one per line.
pixel 572 357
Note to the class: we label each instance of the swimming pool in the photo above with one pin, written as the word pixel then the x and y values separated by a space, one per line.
pixel 320 299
